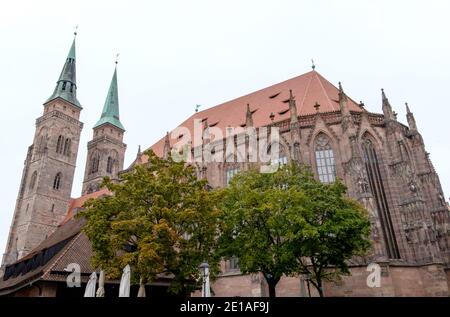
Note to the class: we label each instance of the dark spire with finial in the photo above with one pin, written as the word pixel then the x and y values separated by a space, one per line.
pixel 292 107
pixel 66 86
pixel 248 117
pixel 313 66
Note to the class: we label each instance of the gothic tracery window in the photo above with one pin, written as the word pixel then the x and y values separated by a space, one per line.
pixel 33 180
pixel 326 167
pixel 95 160
pixel 232 264
pixel 376 183
pixel 60 144
pixel 42 143
pixel 67 143
pixel 57 181
pixel 109 164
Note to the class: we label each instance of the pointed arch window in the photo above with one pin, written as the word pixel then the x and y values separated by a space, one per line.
pixel 326 167
pixel 57 181
pixel 109 164
pixel 60 144
pixel 67 143
pixel 373 169
pixel 94 163
pixel 42 144
pixel 33 180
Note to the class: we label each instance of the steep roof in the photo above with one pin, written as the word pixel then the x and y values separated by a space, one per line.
pixel 77 203
pixel 66 86
pixel 68 244
pixel 307 89
pixel 110 113
pixel 39 263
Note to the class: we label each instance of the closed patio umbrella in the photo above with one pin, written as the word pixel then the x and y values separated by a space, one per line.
pixel 101 285
pixel 90 287
pixel 124 289
pixel 141 292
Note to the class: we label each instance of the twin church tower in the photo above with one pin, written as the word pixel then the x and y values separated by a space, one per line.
pixel 46 185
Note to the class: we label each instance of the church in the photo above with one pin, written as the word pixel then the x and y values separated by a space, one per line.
pixel 383 163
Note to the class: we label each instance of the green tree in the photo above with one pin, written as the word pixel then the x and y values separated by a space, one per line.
pixel 255 226
pixel 276 222
pixel 335 229
pixel 159 220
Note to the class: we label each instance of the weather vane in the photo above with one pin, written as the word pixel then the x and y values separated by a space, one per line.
pixel 117 58
pixel 313 66
pixel 75 32
pixel 197 107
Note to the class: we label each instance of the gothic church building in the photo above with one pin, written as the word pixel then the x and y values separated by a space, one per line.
pixel 383 162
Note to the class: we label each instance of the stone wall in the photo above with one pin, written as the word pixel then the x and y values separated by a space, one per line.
pixel 427 280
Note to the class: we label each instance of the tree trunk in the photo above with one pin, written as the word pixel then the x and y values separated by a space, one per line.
pixel 319 287
pixel 272 284
pixel 272 290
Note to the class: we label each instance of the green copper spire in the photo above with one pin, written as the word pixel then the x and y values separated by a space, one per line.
pixel 66 86
pixel 110 113
pixel 72 51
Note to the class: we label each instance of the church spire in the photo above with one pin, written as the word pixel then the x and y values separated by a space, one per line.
pixel 343 101
pixel 110 113
pixel 387 109
pixel 166 150
pixel 292 107
pixel 66 86
pixel 248 117
pixel 410 117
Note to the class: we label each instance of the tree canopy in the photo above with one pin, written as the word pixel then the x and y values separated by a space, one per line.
pixel 160 220
pixel 287 223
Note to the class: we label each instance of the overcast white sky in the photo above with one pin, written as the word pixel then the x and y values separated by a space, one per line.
pixel 176 54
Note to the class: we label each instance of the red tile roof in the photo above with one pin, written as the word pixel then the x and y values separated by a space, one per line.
pixel 76 203
pixel 307 89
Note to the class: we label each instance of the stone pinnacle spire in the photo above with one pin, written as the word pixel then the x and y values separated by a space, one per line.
pixel 248 117
pixel 387 109
pixel 110 113
pixel 166 146
pixel 66 86
pixel 292 107
pixel 411 120
pixel 342 94
pixel 343 101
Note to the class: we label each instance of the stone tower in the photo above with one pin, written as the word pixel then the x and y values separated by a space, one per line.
pixel 49 167
pixel 106 150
